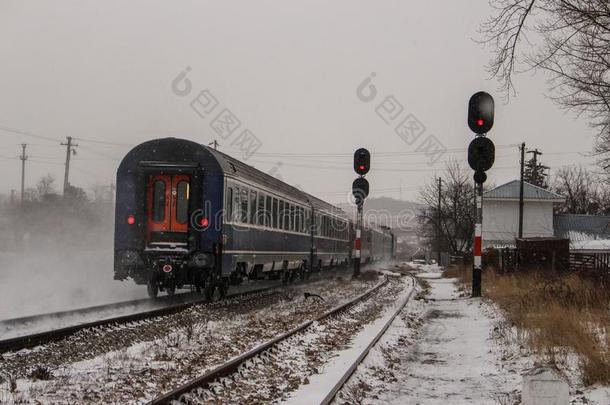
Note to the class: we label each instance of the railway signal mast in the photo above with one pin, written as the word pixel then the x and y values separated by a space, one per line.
pixel 481 156
pixel 360 190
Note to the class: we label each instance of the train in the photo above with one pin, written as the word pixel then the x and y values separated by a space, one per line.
pixel 188 215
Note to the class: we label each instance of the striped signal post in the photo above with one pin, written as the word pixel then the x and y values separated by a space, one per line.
pixel 478 242
pixel 481 156
pixel 358 242
pixel 360 190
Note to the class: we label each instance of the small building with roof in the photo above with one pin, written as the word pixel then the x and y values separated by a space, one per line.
pixel 501 213
pixel 587 233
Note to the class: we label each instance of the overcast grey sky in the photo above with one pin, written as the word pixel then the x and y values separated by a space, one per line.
pixel 102 70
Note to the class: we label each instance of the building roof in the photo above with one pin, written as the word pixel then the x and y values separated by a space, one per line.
pixel 581 228
pixel 510 191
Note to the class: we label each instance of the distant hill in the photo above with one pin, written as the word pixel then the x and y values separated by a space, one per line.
pixel 387 211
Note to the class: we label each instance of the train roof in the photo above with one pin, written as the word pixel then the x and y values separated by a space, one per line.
pixel 177 149
pixel 240 170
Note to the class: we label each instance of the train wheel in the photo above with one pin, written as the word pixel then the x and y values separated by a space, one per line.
pixel 209 289
pixel 152 289
pixel 170 289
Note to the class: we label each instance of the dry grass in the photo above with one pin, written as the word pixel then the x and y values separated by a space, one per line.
pixel 553 316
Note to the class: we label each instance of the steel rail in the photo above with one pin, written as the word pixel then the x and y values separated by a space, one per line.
pixel 35 339
pixel 232 366
pixel 38 338
pixel 350 371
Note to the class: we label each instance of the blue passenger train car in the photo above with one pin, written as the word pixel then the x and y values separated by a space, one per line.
pixel 187 214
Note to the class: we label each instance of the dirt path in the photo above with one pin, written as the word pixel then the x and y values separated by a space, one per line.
pixel 450 360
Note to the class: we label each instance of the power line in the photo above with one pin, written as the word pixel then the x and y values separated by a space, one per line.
pixel 380 154
pixel 102 142
pixel 24 133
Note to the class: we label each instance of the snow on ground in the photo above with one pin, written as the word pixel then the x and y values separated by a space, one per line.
pixel 10 328
pixel 320 384
pixel 451 361
pixel 445 349
pixel 436 352
pixel 140 371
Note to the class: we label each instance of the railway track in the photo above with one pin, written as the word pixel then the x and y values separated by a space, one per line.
pixel 231 368
pixel 35 339
pixel 175 304
pixel 332 393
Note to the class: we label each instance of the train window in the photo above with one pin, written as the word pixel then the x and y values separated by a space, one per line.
pixel 229 207
pixel 274 214
pixel 292 218
pixel 280 216
pixel 307 221
pixel 182 202
pixel 243 201
pixel 260 212
pixel 286 216
pixel 268 211
pixel 236 205
pixel 323 231
pixel 299 217
pixel 252 219
pixel 158 202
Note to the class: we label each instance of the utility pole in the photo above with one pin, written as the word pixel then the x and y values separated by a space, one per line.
pixel 521 190
pixel 215 143
pixel 23 158
pixel 535 171
pixel 535 152
pixel 438 228
pixel 69 151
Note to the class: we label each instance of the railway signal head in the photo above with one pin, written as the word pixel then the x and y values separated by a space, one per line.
pixel 481 112
pixel 360 189
pixel 362 161
pixel 481 153
pixel 480 177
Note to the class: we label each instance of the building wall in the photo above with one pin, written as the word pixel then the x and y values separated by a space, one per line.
pixel 501 220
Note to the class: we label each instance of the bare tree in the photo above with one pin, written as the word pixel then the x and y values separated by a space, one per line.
pixel 584 191
pixel 456 210
pixel 46 185
pixel 572 43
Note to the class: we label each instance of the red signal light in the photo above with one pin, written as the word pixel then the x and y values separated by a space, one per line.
pixel 131 220
pixel 204 222
pixel 361 167
pixel 480 122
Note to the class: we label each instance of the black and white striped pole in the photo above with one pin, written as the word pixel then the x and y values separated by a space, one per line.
pixel 481 156
pixel 360 190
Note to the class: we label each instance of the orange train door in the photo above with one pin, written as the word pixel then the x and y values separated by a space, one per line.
pixel 167 207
